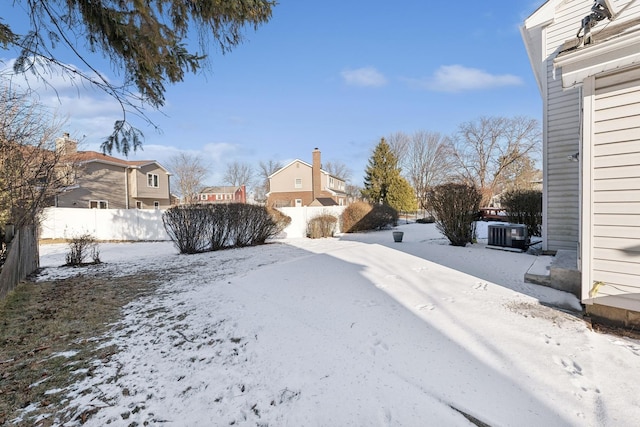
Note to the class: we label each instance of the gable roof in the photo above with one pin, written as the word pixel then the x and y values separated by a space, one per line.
pixel 305 164
pixel 323 201
pixel 290 164
pixel 226 189
pixel 94 156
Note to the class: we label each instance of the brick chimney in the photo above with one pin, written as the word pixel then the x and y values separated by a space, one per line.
pixel 65 145
pixel 316 178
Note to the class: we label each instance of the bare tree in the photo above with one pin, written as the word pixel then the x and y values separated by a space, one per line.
pixel 265 169
pixel 354 193
pixel 521 175
pixel 400 144
pixel 238 173
pixel 338 169
pixel 32 171
pixel 484 149
pixel 188 172
pixel 427 163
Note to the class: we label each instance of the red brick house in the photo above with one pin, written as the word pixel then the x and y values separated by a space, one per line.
pixel 222 194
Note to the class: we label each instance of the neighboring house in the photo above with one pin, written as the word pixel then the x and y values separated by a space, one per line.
pixel 303 184
pixel 223 195
pixel 106 182
pixel 591 115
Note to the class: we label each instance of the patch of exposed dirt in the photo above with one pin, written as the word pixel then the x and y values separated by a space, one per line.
pixel 48 338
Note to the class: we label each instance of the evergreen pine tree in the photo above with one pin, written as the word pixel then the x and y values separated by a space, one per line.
pixel 401 195
pixel 381 172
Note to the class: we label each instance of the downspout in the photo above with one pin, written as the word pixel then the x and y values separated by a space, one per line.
pixel 126 187
pixel 580 177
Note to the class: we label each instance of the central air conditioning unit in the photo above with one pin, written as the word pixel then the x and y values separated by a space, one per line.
pixel 509 236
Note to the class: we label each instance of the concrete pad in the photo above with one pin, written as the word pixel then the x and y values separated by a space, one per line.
pixel 540 271
pixel 565 275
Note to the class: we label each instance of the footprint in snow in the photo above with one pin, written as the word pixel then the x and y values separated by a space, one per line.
pixel 549 340
pixel 378 345
pixel 569 365
pixel 423 307
pixel 481 286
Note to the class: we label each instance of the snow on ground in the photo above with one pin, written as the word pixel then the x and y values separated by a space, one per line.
pixel 352 331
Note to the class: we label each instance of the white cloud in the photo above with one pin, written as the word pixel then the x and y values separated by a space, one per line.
pixel 367 77
pixel 89 112
pixel 456 78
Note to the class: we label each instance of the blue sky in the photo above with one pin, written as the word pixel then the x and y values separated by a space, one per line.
pixel 337 75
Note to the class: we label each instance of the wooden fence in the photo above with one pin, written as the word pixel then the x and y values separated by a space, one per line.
pixel 22 259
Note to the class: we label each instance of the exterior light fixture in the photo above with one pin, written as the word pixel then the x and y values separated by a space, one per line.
pixel 573 157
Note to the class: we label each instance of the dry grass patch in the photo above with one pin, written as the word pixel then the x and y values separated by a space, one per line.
pixel 49 338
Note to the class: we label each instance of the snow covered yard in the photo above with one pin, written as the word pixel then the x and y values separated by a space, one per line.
pixel 351 331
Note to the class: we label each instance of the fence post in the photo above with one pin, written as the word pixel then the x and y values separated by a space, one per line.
pixel 9 232
pixel 22 259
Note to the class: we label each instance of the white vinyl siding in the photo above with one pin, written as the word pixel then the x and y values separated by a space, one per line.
pixel 615 257
pixel 562 128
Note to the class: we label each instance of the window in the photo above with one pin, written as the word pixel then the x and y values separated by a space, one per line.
pixel 298 183
pixel 331 182
pixel 218 196
pixel 203 197
pixel 156 205
pixel 152 180
pixel 138 205
pixel 98 204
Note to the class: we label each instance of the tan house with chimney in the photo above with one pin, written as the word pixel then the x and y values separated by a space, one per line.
pixel 106 182
pixel 302 184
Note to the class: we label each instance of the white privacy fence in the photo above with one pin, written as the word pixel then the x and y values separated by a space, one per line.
pixel 103 224
pixel 300 217
pixel 146 224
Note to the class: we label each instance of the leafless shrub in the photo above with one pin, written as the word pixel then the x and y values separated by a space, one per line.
pixel 361 216
pixel 82 247
pixel 456 207
pixel 189 227
pixel 202 228
pixel 321 226
pixel 524 207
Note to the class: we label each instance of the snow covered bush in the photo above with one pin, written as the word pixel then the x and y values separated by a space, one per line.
pixel 456 207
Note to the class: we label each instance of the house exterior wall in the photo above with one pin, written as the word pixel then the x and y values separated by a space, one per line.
pixel 613 203
pixel 288 198
pixel 561 124
pixel 282 189
pixel 314 185
pixel 96 181
pixel 142 188
pixel 284 181
pixel 596 86
pixel 223 195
